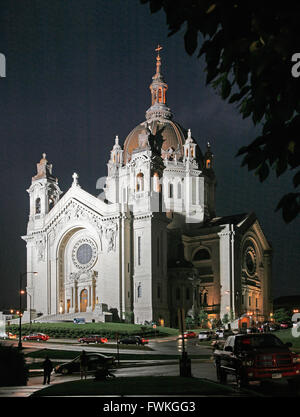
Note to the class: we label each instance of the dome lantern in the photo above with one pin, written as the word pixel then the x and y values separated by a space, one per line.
pixel 158 88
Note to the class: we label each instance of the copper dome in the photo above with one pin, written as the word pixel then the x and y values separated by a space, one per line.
pixel 165 134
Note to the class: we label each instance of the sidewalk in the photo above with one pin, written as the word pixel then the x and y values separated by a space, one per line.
pixel 27 390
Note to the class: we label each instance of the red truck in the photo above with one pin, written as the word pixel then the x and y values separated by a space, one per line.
pixel 257 357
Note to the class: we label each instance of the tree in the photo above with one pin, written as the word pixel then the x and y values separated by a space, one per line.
pixel 129 317
pixel 202 318
pixel 214 323
pixel 281 315
pixel 248 48
pixel 189 322
pixel 225 319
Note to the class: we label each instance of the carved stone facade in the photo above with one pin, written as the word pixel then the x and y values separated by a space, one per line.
pixel 151 242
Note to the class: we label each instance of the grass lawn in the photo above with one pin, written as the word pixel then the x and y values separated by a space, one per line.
pixel 137 386
pixel 286 336
pixel 71 354
pixel 71 330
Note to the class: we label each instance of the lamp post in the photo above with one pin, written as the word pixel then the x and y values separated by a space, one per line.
pixel 21 292
pixel 29 295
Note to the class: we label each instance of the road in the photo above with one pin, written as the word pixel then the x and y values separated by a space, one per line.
pixel 166 346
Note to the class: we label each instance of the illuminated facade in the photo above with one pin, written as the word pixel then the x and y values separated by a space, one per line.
pixel 150 243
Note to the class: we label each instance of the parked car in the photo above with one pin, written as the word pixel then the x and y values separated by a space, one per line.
pixel 270 326
pixel 286 324
pixel 79 320
pixel 221 333
pixel 36 336
pixel 94 338
pixel 94 360
pixel 189 335
pixel 133 340
pixel 205 335
pixel 257 357
pixel 252 330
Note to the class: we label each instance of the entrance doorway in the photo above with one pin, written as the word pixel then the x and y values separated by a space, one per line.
pixel 83 300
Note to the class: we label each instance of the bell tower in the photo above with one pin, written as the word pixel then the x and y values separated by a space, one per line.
pixel 44 193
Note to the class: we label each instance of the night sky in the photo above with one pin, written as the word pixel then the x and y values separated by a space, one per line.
pixel 78 73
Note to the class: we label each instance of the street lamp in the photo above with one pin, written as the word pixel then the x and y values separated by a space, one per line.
pixel 21 292
pixel 29 295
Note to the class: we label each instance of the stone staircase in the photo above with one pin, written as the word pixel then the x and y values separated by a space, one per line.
pixel 52 318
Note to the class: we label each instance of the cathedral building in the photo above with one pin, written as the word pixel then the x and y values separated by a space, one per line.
pixel 151 242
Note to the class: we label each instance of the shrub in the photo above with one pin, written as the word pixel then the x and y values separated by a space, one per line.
pixel 13 369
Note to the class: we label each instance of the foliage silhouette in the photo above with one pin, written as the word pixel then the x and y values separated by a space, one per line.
pixel 248 48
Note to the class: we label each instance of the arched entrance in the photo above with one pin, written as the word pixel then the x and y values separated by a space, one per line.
pixel 83 300
pixel 61 307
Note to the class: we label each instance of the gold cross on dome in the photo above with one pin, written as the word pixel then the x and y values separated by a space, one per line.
pixel 159 48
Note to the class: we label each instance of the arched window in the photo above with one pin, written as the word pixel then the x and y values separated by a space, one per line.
pixel 153 97
pixel 201 255
pixel 171 190
pixel 51 203
pixel 204 299
pixel 208 164
pixel 159 95
pixel 139 290
pixel 38 206
pixel 140 182
pixel 156 184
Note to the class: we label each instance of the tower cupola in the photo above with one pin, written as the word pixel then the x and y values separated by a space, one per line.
pixel 158 88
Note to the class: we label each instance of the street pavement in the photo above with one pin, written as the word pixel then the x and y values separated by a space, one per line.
pixel 166 346
pixel 171 345
pixel 35 383
pixel 200 368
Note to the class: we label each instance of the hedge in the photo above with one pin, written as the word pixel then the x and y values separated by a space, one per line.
pixel 109 330
pixel 13 369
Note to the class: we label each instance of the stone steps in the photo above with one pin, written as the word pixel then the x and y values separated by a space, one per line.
pixel 88 316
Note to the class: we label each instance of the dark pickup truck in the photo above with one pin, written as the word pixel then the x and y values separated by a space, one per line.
pixel 257 357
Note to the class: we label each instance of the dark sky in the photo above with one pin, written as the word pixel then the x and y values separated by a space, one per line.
pixel 78 73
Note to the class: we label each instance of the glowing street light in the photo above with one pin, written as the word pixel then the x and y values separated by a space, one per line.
pixel 22 292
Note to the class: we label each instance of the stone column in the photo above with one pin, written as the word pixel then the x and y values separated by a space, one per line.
pixel 76 297
pixel 266 284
